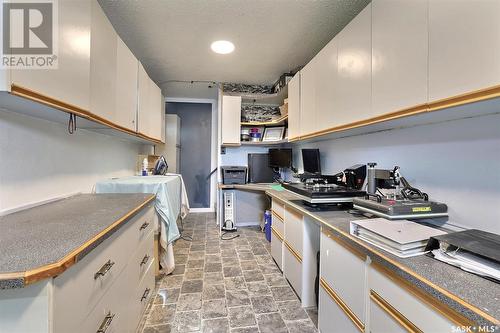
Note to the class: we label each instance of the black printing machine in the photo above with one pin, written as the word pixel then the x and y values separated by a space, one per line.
pixel 316 189
pixel 389 195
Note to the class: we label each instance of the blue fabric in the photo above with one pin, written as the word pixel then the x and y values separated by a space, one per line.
pixel 168 196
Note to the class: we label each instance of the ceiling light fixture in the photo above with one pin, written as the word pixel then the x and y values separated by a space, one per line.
pixel 222 47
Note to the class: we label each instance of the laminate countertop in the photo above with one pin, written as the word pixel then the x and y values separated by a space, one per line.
pixel 44 241
pixel 476 298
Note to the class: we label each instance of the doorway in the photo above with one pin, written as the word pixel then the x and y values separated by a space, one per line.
pixel 195 150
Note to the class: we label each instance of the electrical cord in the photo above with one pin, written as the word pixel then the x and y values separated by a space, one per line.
pixel 225 239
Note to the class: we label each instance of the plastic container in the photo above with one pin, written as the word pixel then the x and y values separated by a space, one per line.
pixel 267 224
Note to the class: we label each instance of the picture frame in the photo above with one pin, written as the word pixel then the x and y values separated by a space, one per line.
pixel 272 134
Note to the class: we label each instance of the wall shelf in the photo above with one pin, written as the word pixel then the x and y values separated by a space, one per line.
pixel 264 143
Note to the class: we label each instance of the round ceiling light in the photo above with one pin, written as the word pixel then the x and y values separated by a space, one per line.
pixel 222 47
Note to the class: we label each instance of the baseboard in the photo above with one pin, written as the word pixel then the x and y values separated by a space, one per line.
pixel 202 210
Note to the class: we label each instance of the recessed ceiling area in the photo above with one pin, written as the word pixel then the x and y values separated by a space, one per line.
pixel 172 38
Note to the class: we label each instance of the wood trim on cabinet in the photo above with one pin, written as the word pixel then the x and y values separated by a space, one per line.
pixel 51 270
pixel 32 95
pixel 466 98
pixel 439 307
pixel 277 234
pixel 342 305
pixel 344 244
pixel 278 216
pixel 396 264
pixel 395 314
pixel 292 251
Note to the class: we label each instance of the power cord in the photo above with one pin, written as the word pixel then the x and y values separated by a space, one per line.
pixel 226 232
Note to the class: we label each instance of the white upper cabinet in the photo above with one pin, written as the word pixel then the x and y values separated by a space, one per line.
pixel 231 119
pixel 353 93
pixel 126 87
pixel 149 111
pixel 103 65
pixel 327 81
pixel 155 112
pixel 308 98
pixel 464 46
pixel 294 107
pixel 400 54
pixel 69 83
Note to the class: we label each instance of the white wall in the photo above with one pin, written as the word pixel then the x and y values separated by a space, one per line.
pixel 456 162
pixel 39 160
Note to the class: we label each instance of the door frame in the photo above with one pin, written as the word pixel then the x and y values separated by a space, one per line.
pixel 213 147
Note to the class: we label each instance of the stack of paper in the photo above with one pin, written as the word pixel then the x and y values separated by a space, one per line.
pixel 402 238
pixel 469 262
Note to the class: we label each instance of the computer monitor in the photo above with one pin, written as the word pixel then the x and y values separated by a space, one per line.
pixel 311 161
pixel 280 157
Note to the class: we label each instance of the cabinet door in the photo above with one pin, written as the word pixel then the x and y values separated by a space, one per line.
pixel 326 84
pixel 308 98
pixel 294 107
pixel 331 317
pixel 231 119
pixel 354 68
pixel 154 111
pixel 345 272
pixel 126 87
pixel 464 46
pixel 143 124
pixel 400 54
pixel 402 302
pixel 103 65
pixel 70 82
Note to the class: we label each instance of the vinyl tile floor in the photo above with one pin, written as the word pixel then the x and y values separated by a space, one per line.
pixel 225 286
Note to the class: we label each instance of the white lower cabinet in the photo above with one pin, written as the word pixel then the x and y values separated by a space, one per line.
pixel 331 317
pixel 109 287
pixel 405 308
pixel 293 269
pixel 300 248
pixel 343 276
pixel 277 232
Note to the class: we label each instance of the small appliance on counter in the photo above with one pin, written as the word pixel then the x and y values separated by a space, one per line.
pixel 316 189
pixel 321 191
pixel 390 195
pixel 232 175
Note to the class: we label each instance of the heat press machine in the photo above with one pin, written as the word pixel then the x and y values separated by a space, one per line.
pixel 320 190
pixel 389 195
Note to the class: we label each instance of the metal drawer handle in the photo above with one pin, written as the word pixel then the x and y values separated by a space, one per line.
pixel 144 226
pixel 104 269
pixel 144 260
pixel 146 294
pixel 106 323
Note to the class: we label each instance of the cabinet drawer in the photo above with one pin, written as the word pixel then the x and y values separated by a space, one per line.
pixel 293 268
pixel 332 318
pixel 278 208
pixel 294 229
pixel 344 269
pixel 277 247
pixel 141 259
pixel 278 224
pixel 408 306
pixel 140 298
pixel 83 283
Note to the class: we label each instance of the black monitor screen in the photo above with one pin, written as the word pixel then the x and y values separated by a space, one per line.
pixel 311 161
pixel 280 158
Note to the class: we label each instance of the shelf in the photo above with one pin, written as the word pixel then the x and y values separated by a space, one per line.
pixel 262 99
pixel 278 121
pixel 263 143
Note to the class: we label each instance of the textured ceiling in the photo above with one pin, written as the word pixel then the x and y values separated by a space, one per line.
pixel 172 37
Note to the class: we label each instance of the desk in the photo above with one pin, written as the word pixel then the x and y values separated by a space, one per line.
pixel 251 202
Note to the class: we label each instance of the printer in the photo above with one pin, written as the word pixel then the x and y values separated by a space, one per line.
pixel 234 175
